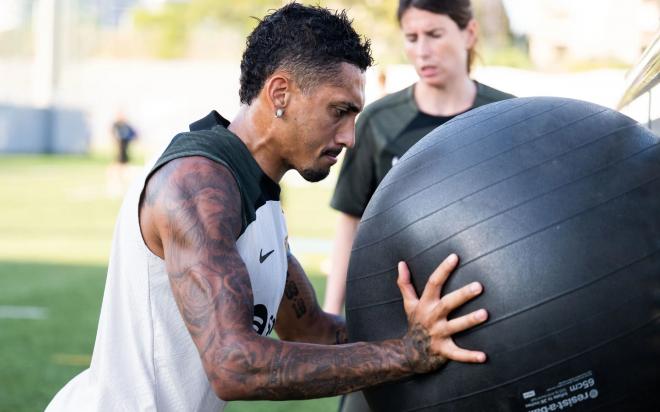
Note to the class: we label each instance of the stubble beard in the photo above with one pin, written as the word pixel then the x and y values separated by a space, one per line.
pixel 314 175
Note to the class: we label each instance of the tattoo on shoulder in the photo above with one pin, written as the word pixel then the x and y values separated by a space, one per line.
pixel 155 185
pixel 202 201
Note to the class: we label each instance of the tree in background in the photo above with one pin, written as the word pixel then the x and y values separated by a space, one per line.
pixel 173 27
pixel 498 45
pixel 179 28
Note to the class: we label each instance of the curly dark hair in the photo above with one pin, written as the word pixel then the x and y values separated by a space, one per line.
pixel 308 41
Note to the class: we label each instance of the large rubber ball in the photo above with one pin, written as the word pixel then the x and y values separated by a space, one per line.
pixel 554 206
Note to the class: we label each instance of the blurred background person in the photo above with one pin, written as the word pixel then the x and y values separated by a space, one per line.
pixel 119 173
pixel 124 134
pixel 439 41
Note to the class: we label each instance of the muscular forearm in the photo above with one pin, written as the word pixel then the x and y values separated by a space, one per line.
pixel 300 317
pixel 263 368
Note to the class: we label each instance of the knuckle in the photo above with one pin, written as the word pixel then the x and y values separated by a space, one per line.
pixel 468 291
pixel 465 297
pixel 442 307
pixel 450 302
pixel 436 281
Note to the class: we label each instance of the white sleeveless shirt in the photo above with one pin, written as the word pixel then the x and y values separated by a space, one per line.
pixel 144 357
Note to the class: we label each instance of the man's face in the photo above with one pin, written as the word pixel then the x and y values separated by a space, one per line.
pixel 322 122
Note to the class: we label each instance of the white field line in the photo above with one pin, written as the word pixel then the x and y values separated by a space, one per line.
pixel 23 312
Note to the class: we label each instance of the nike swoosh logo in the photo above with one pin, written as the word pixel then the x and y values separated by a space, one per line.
pixel 263 257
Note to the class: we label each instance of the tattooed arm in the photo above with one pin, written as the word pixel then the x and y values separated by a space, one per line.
pixel 191 217
pixel 300 318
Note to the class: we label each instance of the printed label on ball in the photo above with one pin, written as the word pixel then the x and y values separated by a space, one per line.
pixel 564 395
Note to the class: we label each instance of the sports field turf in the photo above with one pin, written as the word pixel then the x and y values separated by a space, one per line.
pixel 55 231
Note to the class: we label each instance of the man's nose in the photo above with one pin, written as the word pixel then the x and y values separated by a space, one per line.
pixel 346 136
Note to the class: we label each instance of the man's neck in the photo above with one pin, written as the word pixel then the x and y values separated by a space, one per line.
pixel 256 132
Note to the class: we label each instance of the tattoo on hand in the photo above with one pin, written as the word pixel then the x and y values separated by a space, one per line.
pixel 417 349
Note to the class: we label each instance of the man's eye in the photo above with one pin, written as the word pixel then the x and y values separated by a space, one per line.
pixel 340 112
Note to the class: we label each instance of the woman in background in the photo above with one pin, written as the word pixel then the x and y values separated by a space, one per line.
pixel 439 40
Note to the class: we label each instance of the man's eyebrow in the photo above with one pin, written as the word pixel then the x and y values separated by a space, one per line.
pixel 351 107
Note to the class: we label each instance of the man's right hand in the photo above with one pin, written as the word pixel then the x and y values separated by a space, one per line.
pixel 428 343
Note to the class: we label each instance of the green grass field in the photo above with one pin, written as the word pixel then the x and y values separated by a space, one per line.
pixel 55 232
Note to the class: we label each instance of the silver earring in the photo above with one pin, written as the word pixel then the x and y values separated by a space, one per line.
pixel 279 113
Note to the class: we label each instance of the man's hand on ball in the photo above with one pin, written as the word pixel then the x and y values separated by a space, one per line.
pixel 428 342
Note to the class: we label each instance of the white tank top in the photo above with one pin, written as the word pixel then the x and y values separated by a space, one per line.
pixel 144 357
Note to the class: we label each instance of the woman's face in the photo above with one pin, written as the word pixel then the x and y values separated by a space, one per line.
pixel 436 46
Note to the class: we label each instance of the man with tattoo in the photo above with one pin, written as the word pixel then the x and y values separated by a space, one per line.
pixel 200 271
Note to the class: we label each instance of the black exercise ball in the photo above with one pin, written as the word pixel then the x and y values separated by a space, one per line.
pixel 554 206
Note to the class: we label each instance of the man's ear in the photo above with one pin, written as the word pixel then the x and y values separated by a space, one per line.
pixel 278 89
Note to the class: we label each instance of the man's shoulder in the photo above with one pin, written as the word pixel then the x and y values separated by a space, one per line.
pixel 206 134
pixel 215 142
